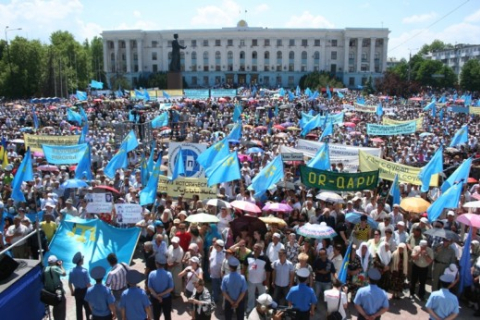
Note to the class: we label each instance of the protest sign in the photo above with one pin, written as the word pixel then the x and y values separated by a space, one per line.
pixel 335 181
pixel 364 108
pixel 391 130
pixel 387 121
pixel 388 170
pixel 186 187
pixel 99 207
pixel 292 156
pixel 190 153
pixel 336 150
pixel 128 212
pixel 35 142
pixel 474 110
pixel 64 154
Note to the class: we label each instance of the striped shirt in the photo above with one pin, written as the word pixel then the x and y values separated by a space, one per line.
pixel 117 277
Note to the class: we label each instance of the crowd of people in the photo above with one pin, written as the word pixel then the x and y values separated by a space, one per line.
pixel 216 270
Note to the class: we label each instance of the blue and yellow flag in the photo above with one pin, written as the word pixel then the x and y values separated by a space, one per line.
pixel 236 132
pixel 268 176
pixel 321 160
pixel 130 141
pixel 150 157
pixel 313 123
pixel 83 134
pixel 24 173
pixel 448 200
pixel 395 190
pixel 214 153
pixel 460 175
pixel 84 167
pixel 148 193
pixel 81 95
pixel 35 119
pixel 328 131
pixel 143 169
pixel 237 112
pixel 342 274
pixel 225 170
pixel 466 279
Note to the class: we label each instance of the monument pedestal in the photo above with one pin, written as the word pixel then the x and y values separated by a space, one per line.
pixel 174 81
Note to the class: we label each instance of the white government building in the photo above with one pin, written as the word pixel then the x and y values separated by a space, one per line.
pixel 246 55
pixel 457 56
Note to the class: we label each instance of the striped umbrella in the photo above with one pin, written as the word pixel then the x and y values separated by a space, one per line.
pixel 316 231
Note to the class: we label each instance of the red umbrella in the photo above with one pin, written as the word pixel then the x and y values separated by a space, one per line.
pixel 90 110
pixel 356 120
pixel 97 100
pixel 377 140
pixel 245 206
pixel 244 157
pixel 349 124
pixel 222 100
pixel 279 127
pixel 52 108
pixel 472 180
pixel 72 168
pixel 416 99
pixel 107 188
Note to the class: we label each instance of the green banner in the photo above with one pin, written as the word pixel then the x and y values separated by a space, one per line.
pixel 335 181
pixel 381 130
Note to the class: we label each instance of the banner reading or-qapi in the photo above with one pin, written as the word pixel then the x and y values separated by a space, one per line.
pixel 336 181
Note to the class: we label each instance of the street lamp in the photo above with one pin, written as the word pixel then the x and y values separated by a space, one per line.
pixel 410 61
pixel 8 54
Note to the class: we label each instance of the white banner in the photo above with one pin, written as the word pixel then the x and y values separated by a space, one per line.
pixel 99 207
pixel 102 197
pixel 128 212
pixel 336 150
pixel 190 152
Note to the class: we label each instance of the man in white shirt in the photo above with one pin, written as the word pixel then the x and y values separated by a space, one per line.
pixel 258 267
pixel 379 213
pixel 15 233
pixel 332 296
pixel 396 214
pixel 174 261
pixel 274 247
pixel 216 259
pixel 400 234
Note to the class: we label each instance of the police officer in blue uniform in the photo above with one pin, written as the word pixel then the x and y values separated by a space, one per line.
pixel 442 304
pixel 160 285
pixel 79 282
pixel 301 297
pixel 134 302
pixel 234 288
pixel 371 301
pixel 100 298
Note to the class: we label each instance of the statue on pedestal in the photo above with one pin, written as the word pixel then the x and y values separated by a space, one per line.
pixel 175 63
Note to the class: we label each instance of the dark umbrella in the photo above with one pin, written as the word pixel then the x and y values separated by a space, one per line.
pixel 442 233
pixel 248 223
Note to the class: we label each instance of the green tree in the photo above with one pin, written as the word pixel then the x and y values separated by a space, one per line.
pixel 434 73
pixel 436 45
pixel 368 87
pixel 470 75
pixel 317 80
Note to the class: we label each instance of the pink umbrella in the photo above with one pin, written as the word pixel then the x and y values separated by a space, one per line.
pixel 245 206
pixel 416 99
pixel 38 154
pixel 470 219
pixel 280 207
pixel 48 167
pixel 377 140
pixel 222 100
pixel 349 124
pixel 355 133
pixel 244 157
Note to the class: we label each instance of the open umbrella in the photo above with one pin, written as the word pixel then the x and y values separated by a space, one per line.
pixel 261 128
pixel 278 207
pixel 279 127
pixel 349 124
pixel 74 183
pixel 414 204
pixel 442 233
pixel 255 150
pixel 48 167
pixel 472 204
pixel 245 206
pixel 316 231
pixel 106 188
pixel 355 218
pixel 249 224
pixel 272 220
pixel 470 219
pixel 377 140
pixel 217 203
pixel 471 180
pixel 355 133
pixel 329 196
pixel 202 218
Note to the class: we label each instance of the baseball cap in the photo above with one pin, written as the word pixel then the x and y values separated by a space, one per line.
pixel 175 240
pixel 451 213
pixel 220 243
pixel 266 300
pixel 276 235
pixel 424 220
pixel 195 260
pixel 52 259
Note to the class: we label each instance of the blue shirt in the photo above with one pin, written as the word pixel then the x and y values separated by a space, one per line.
pixel 79 277
pixel 160 280
pixel 100 297
pixel 371 298
pixel 443 303
pixel 234 284
pixel 302 297
pixel 134 300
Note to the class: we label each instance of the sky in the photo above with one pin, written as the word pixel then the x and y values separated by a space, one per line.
pixel 412 23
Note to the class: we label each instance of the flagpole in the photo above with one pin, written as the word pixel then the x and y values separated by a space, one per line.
pixel 37 222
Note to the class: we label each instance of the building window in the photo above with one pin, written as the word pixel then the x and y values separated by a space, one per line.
pixel 352 43
pixel 364 81
pixel 205 43
pixel 194 43
pixel 135 57
pixel 218 79
pixel 154 67
pixel 291 42
pixel 254 42
pixel 266 43
pixel 266 80
pixel 135 68
pixel 254 55
pixel 205 61
pixel 229 42
pixel 304 42
pixel 242 43
pixel 205 81
pixel 218 43
pixel 334 43
pixel 111 45
pixel 333 68
pixel 154 56
pixel 279 80
pixel 169 44
pixel 366 43
pixel 155 44
pixel 333 55
pixel 291 80
pixel 351 81
pixel 134 44
pixel 112 56
pixel 218 60
pixel 317 43
pixel 194 81
pixel 122 44
pixel 279 42
pixel 123 57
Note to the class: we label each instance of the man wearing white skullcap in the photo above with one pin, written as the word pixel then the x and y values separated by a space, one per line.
pixel 422 257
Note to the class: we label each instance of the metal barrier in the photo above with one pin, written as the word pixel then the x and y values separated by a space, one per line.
pixel 25 238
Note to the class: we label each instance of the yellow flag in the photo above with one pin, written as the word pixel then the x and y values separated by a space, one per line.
pixel 5 158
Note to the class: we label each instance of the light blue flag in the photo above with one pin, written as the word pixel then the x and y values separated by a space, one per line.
pixel 148 194
pixel 83 114
pixel 139 95
pixel 468 100
pixel 460 175
pixel 93 238
pixel 150 157
pixel 379 110
pixel 466 279
pixel 443 99
pixel 146 96
pixel 96 84
pixel 236 132
pixel 74 116
pixel 131 141
pixel 291 96
pixel 118 161
pixel 268 176
pixel 328 131
pixel 281 92
pixel 448 200
pixel 315 122
pixel 434 111
pixel 81 96
pixel 308 92
pixel 435 165
pixel 143 169
pixel 460 137
pixel 24 173
pixel 361 100
pixel 214 153
pixel 35 118
pixel 132 117
pixel 478 103
pixel 455 97
pixel 166 95
pixel 342 273
pixel 225 170
pixel 395 190
pixel 84 167
pixel 160 121
pixel 305 118
pixel 321 160
pixel 118 93
pixel 64 154
pixel 429 106
pixel 441 115
pixel 297 91
pixel 237 112
pixel 276 111
pixel 179 168
pixel 329 94
pixel 83 134
pixel 340 95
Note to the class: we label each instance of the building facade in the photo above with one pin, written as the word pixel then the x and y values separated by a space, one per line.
pixel 456 57
pixel 246 55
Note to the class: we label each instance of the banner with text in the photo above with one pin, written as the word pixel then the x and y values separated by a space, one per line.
pixel 128 213
pixel 336 150
pixel 197 93
pixel 186 187
pixel 64 154
pixel 391 130
pixel 218 93
pixel 474 110
pixel 388 170
pixel 335 181
pixel 35 142
pixel 364 108
pixel 388 122
pixel 459 109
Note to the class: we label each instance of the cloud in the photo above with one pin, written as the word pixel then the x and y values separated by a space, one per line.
pixel 224 15
pixel 474 17
pixel 141 24
pixel 308 20
pixel 419 18
pixel 137 14
pixel 261 8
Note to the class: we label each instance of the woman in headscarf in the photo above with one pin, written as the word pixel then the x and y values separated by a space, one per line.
pixel 355 269
pixel 399 269
pixel 382 263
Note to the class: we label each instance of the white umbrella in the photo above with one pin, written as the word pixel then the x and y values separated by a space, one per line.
pixel 202 218
pixel 472 204
pixel 218 203
pixel 329 196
